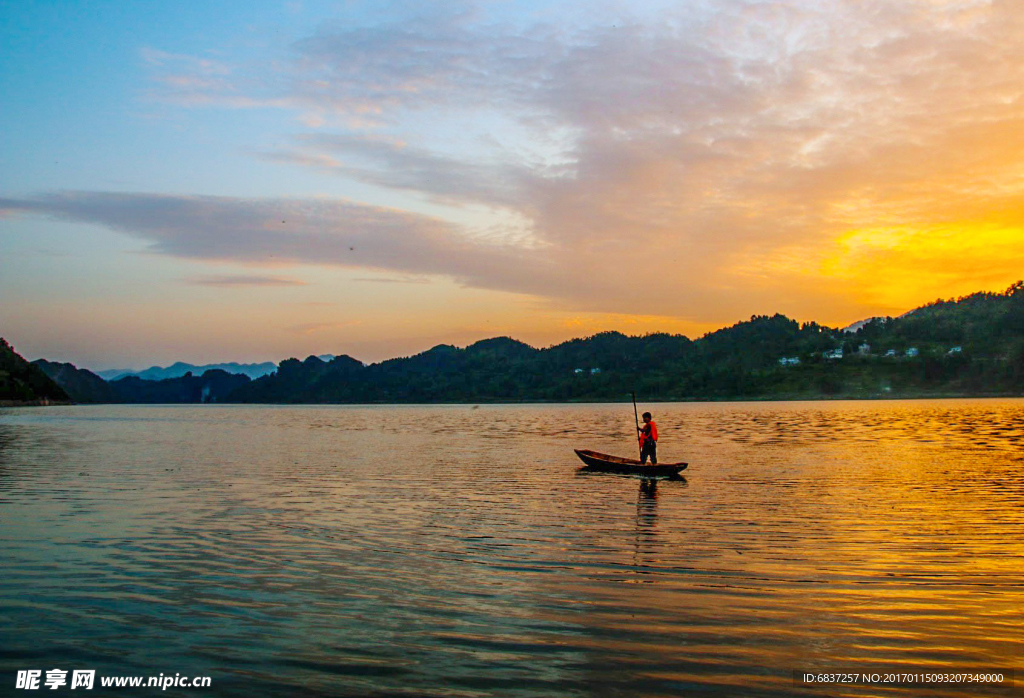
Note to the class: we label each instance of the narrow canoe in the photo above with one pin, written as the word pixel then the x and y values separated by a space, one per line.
pixel 602 462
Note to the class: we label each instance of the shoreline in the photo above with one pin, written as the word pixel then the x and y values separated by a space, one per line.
pixel 42 402
pixel 500 401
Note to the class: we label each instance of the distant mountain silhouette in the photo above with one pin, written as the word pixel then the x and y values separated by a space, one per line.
pixel 179 369
pixel 84 386
pixel 110 374
pixel 23 383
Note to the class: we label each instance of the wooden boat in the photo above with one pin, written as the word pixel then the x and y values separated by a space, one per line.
pixel 603 463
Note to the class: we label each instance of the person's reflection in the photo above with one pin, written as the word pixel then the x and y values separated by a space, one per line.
pixel 647 503
pixel 646 538
pixel 646 534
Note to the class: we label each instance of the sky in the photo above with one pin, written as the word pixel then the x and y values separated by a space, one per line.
pixel 216 181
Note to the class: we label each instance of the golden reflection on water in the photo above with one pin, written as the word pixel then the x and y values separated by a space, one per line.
pixel 450 551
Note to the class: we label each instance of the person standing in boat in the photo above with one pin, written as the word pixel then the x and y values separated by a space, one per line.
pixel 648 440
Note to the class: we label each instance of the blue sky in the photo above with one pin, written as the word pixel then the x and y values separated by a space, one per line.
pixel 248 181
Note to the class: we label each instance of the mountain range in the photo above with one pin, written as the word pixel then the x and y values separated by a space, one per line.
pixel 973 345
pixel 180 368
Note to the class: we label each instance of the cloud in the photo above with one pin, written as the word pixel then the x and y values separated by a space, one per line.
pixel 231 281
pixel 299 231
pixel 206 66
pixel 315 160
pixel 311 328
pixel 700 160
pixel 713 134
pixel 394 164
pixel 394 280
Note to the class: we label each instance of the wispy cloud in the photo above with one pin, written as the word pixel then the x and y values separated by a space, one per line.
pixel 184 62
pixel 311 328
pixel 394 164
pixel 305 159
pixel 702 160
pixel 232 281
pixel 394 280
pixel 300 231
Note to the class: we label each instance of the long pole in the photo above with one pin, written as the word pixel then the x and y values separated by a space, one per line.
pixel 637 420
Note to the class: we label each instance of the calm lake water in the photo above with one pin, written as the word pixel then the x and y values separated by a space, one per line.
pixel 456 551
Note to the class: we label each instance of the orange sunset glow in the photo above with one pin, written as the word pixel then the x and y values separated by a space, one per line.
pixel 379 182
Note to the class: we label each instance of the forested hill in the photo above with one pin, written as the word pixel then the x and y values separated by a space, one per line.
pixel 82 385
pixel 23 383
pixel 968 346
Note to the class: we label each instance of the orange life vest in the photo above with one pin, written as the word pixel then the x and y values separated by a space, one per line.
pixel 650 431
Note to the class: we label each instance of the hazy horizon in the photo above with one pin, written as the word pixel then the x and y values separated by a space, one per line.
pixel 327 355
